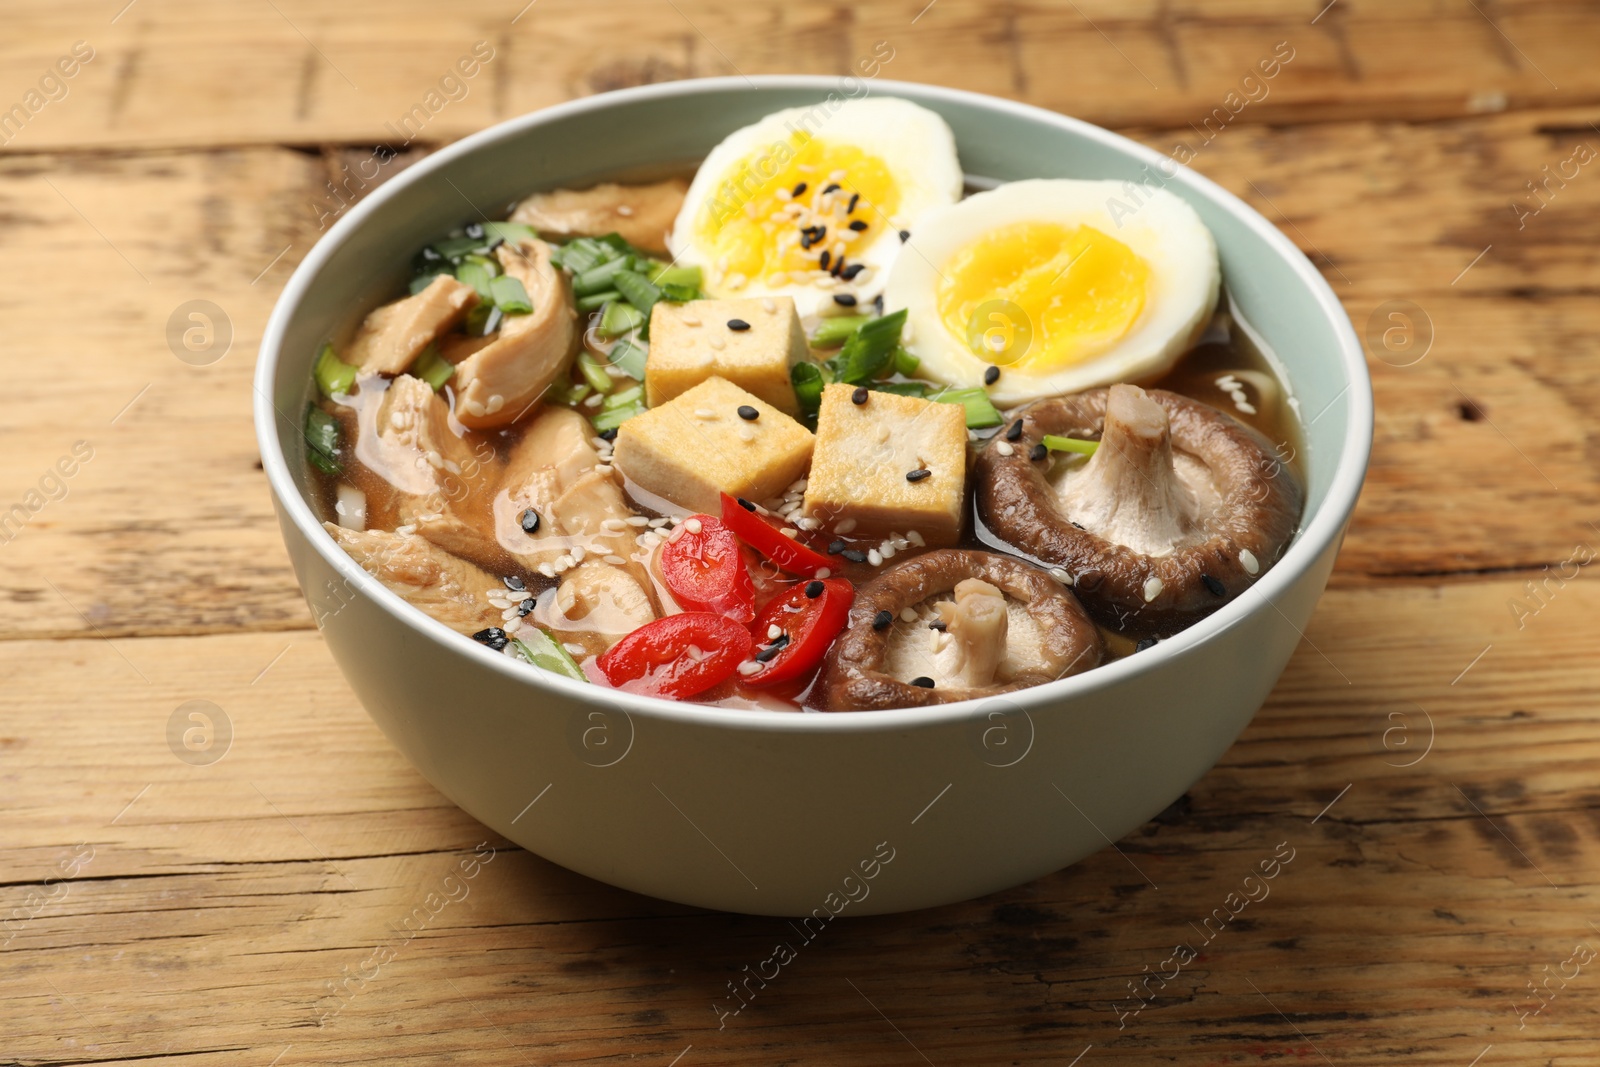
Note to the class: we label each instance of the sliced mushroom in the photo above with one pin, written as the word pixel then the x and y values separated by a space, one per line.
pixel 642 214
pixel 393 336
pixel 1006 625
pixel 424 575
pixel 499 382
pixel 1180 508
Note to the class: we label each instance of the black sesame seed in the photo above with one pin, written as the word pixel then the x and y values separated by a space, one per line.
pixel 814 589
pixel 858 225
pixel 923 682
pixel 526 607
pixel 859 396
pixel 817 232
pixel 1214 587
pixel 1148 642
pixel 882 619
pixel 743 503
pixel 1015 433
pixel 799 189
pixel 855 198
pixel 1038 452
pixel 918 474
pixel 854 555
pixel 1080 526
pixel 991 375
pixel 905 235
pixel 608 435
pixel 514 583
pixel 835 547
pixel 738 325
pixel 838 265
pixel 474 230
pixel 766 654
pixel 825 259
pixel 530 521
pixel 877 302
pixel 832 187
pixel 850 272
pixel 494 637
pixel 748 413
pixel 806 240
pixel 844 300
pixel 937 624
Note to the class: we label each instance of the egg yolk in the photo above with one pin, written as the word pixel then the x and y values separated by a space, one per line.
pixel 1042 296
pixel 787 206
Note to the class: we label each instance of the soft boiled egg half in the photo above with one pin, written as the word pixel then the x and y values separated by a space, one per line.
pixel 1046 281
pixel 810 202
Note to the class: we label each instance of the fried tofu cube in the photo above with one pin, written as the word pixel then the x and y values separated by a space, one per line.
pixel 697 446
pixel 693 341
pixel 859 482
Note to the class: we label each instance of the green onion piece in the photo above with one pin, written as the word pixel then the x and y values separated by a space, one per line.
pixel 610 420
pixel 598 300
pixel 832 333
pixel 619 318
pixel 867 352
pixel 905 364
pixel 1069 444
pixel 334 376
pixel 453 248
pixel 674 293
pixel 474 273
pixel 425 279
pixel 600 278
pixel 432 368
pixel 322 441
pixel 807 381
pixel 630 357
pixel 542 650
pixel 583 254
pixel 511 296
pixel 594 373
pixel 511 232
pixel 633 394
pixel 664 275
pixel 483 319
pixel 570 393
pixel 637 290
pixel 981 411
pixel 917 389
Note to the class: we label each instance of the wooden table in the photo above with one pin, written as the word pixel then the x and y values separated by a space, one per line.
pixel 1428 759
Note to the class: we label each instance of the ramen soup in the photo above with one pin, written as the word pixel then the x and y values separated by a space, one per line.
pixel 817 428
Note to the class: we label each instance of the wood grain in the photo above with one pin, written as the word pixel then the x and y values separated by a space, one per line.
pixel 1427 755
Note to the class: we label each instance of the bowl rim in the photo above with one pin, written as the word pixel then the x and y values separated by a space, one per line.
pixel 1314 536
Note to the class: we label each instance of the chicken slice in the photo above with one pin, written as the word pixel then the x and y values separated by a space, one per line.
pixel 596 605
pixel 425 576
pixel 393 336
pixel 641 214
pixel 497 383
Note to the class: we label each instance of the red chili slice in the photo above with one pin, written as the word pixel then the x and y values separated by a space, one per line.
pixel 659 658
pixel 770 541
pixel 704 570
pixel 807 626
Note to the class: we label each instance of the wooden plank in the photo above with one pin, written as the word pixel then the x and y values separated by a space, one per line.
pixel 184 72
pixel 218 905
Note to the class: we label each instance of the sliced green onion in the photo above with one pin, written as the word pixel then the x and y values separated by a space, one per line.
pixel 334 376
pixel 511 232
pixel 981 411
pixel 474 273
pixel 585 254
pixel 432 368
pixel 453 248
pixel 594 373
pixel 832 333
pixel 633 394
pixel 610 420
pixel 664 275
pixel 511 296
pixel 637 290
pixel 542 650
pixel 483 319
pixel 596 301
pixel 917 389
pixel 1070 444
pixel 807 381
pixel 322 441
pixel 599 278
pixel 629 357
pixel 619 318
pixel 674 293
pixel 867 351
pixel 569 392
pixel 905 364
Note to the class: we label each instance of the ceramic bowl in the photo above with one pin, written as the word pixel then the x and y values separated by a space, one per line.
pixel 805 814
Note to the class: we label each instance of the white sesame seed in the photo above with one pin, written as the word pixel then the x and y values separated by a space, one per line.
pixel 574 649
pixel 1245 406
pixel 1152 588
pixel 844 527
pixel 693 526
pixel 689 320
pixel 547 570
pixel 769 306
pixel 593 400
pixel 1247 560
pixel 749 667
pixel 637 520
pixel 887 550
pixel 615 561
pixel 656 524
pixel 874 557
pixel 716 342
pixel 578 554
pixel 405 530
pixel 915 538
pixel 908 614
pixel 1004 449
pixel 704 413
pixel 614 524
pixel 508 614
pixel 695 652
pixel 1062 575
pixel 624 210
pixel 677 532
pixel 774 631
pixel 747 433
pixel 823 572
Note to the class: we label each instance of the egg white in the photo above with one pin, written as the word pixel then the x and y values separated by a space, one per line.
pixel 916 146
pixel 1162 229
